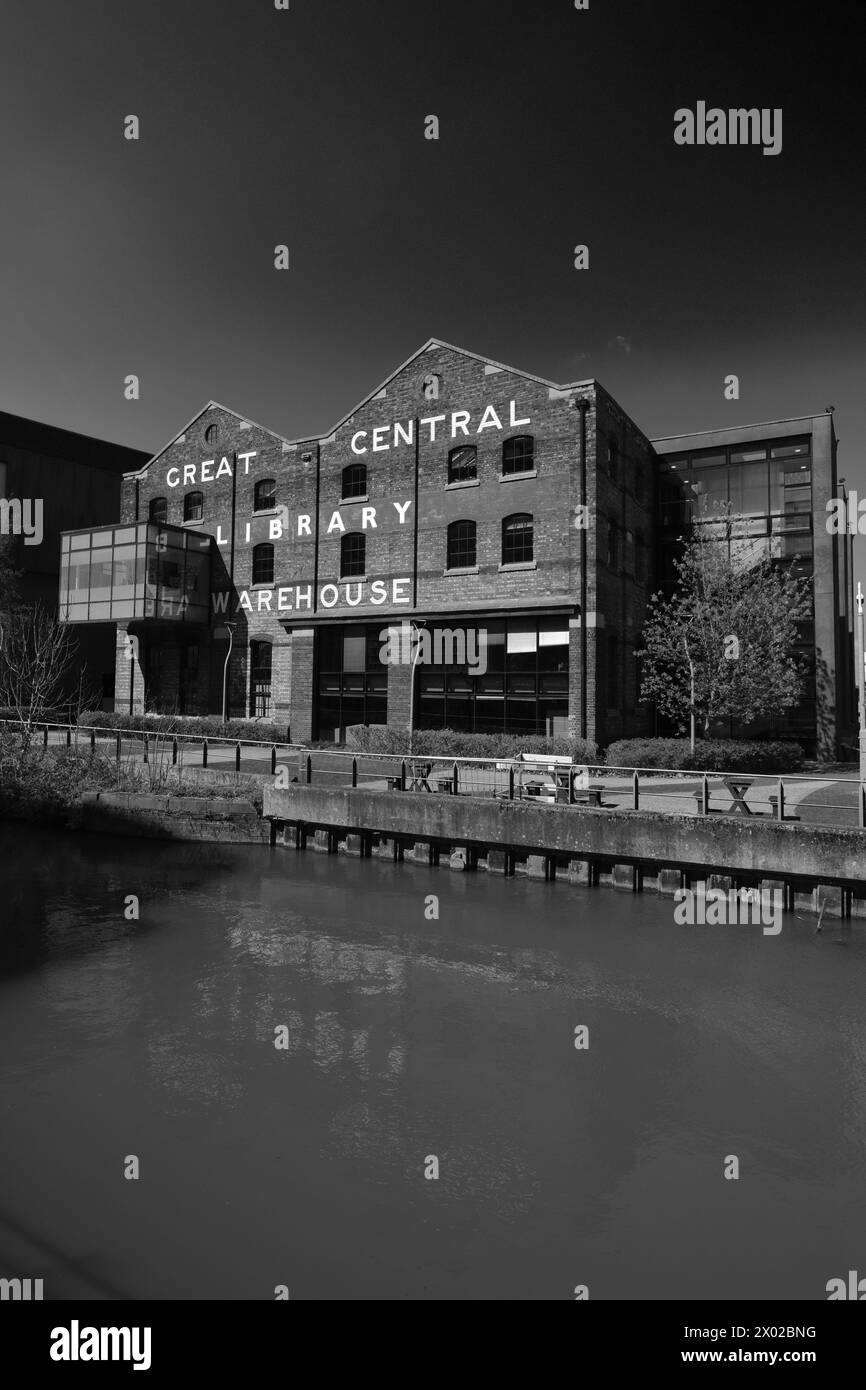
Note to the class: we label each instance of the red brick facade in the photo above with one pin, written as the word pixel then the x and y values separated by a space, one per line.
pixel 404 515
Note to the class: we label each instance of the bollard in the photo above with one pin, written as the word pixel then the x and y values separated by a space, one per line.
pixel 781 807
pixel 117 748
pixel 273 759
pixel 45 737
pixel 93 740
pixel 354 772
pixel 238 756
pixel 204 753
pixel 145 747
pixel 636 792
pixel 309 769
pixel 705 787
pixel 454 781
pixel 403 775
pixel 174 752
pixel 511 783
pixel 68 736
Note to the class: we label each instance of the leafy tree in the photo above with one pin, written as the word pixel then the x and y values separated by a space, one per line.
pixel 721 644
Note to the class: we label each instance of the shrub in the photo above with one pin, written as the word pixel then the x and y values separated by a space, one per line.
pixel 454 743
pixel 710 755
pixel 206 726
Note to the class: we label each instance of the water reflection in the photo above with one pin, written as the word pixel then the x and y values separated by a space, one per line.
pixel 408 1038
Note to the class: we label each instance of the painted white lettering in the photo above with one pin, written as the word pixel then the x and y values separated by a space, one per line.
pixel 513 422
pixel 362 434
pixel 378 592
pixel 304 524
pixel 432 421
pixel 396 591
pixel 459 421
pixel 172 481
pixel 402 509
pixel 329 589
pixel 408 435
pixel 336 523
pixel 246 458
pixel 207 470
pixel 379 434
pixel 368 514
pixel 491 424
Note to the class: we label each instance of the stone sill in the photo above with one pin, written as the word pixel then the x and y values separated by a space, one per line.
pixel 465 482
pixel 518 477
pixel 467 569
pixel 520 565
pixel 348 501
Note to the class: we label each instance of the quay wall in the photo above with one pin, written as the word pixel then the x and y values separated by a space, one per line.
pixel 751 850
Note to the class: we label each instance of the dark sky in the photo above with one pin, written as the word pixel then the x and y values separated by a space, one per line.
pixel 306 127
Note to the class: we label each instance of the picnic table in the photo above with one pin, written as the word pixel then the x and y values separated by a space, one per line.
pixel 738 785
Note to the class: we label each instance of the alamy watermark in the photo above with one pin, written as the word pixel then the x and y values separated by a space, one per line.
pixel 407 645
pixel 736 126
pixel 22 518
pixel 709 907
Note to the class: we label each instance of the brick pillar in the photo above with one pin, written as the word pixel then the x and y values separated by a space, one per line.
pixel 302 692
pixel 128 673
pixel 399 687
pixel 574 722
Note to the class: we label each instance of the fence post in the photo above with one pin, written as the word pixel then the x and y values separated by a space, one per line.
pixel 454 782
pixel 204 752
pixel 862 803
pixel 68 735
pixel 174 752
pixel 403 775
pixel 273 759
pixel 781 810
pixel 636 791
pixel 309 769
pixel 354 772
pixel 145 747
pixel 44 737
pixel 117 747
pixel 93 740
pixel 238 756
pixel 705 795
pixel 511 781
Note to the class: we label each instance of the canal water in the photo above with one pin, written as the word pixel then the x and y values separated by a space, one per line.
pixel 412 1038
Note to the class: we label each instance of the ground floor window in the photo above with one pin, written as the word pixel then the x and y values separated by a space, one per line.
pixel 260 679
pixel 518 684
pixel 351 680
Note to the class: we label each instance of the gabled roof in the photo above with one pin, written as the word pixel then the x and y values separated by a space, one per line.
pixel 371 395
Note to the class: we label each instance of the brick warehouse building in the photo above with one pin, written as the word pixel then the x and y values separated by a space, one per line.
pixel 460 494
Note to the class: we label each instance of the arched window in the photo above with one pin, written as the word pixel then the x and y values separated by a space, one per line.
pixel 355 480
pixel 158 509
pixel 265 495
pixel 353 555
pixel 212 434
pixel 517 539
pixel 463 464
pixel 263 563
pixel 461 545
pixel 260 679
pixel 518 454
pixel 193 506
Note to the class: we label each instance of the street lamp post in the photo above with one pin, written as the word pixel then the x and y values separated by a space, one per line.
pixel 230 629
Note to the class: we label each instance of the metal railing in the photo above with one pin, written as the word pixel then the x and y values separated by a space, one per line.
pixel 789 797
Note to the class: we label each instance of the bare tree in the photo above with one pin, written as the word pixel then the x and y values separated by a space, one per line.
pixel 721 644
pixel 35 652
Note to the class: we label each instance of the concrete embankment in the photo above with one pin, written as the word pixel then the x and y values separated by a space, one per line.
pixel 163 817
pixel 635 850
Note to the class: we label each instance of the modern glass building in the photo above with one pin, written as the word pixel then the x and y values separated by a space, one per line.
pixel 119 573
